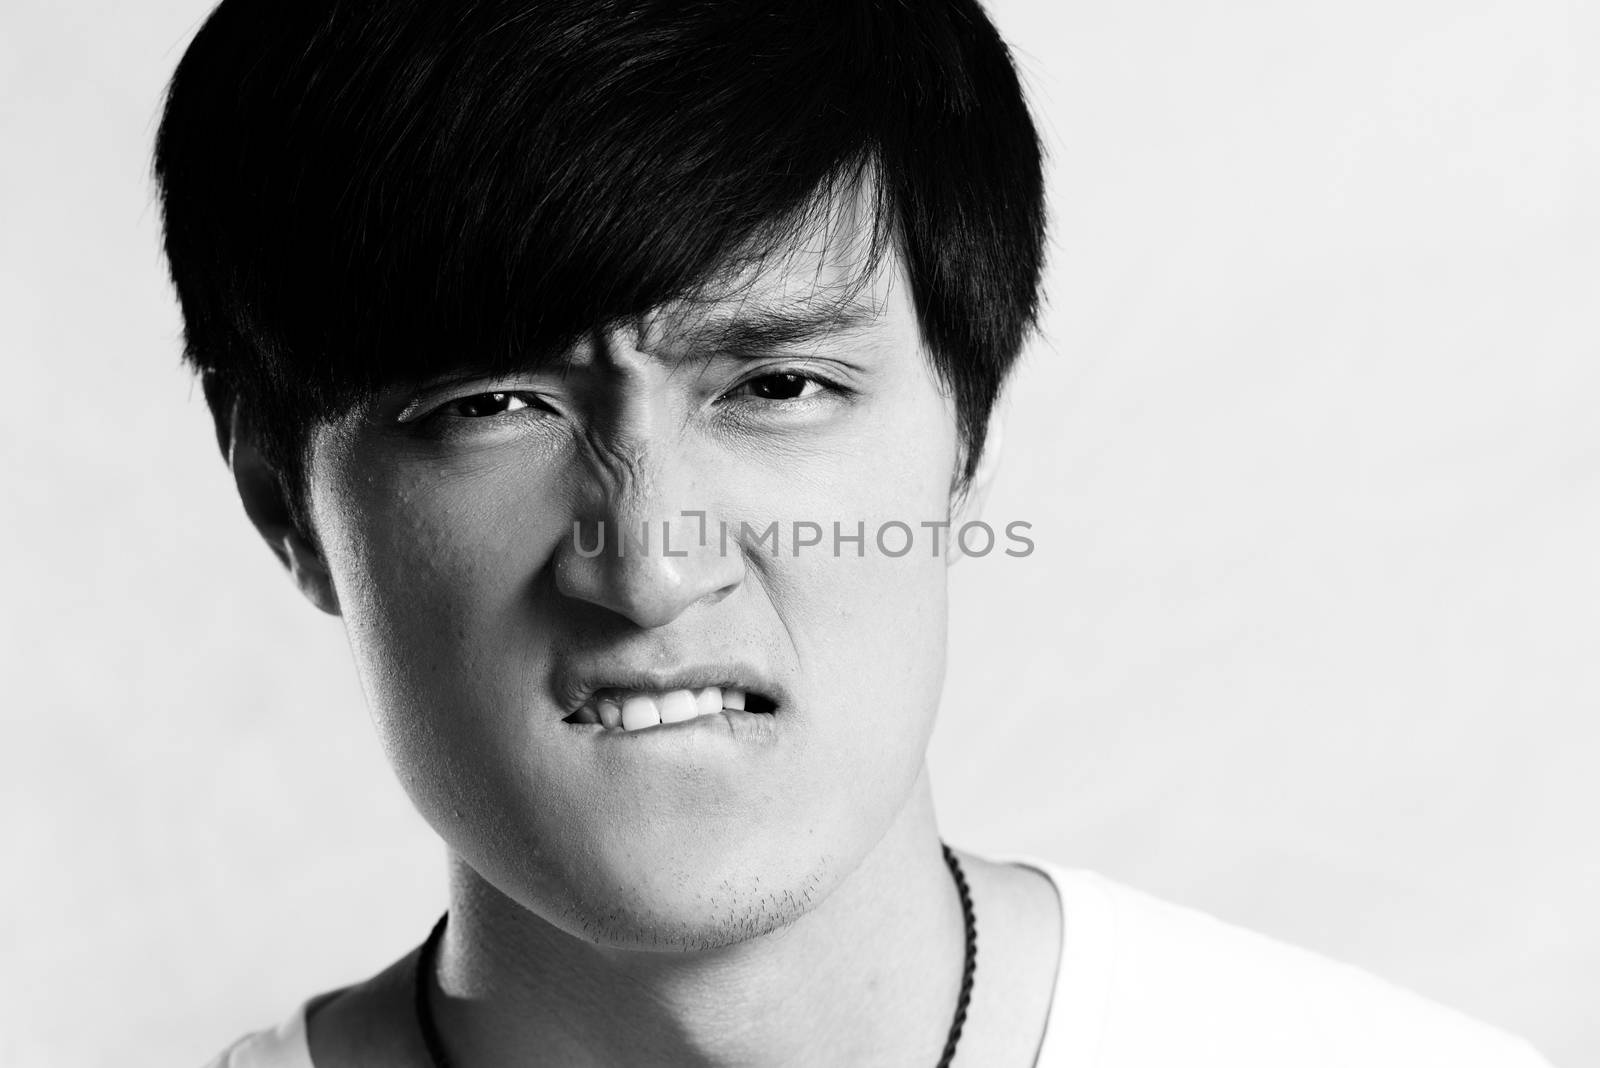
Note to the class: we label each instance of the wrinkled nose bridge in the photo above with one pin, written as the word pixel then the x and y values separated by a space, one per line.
pixel 640 470
pixel 640 547
pixel 643 491
pixel 623 460
pixel 634 436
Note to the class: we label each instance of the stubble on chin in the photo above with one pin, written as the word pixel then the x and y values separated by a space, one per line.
pixel 728 915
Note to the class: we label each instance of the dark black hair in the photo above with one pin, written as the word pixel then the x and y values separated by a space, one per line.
pixel 363 192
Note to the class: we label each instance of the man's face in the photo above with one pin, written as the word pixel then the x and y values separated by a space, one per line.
pixel 480 624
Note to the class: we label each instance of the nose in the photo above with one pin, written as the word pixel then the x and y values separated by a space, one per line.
pixel 648 556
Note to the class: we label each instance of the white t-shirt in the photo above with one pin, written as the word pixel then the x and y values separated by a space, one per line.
pixel 1147 984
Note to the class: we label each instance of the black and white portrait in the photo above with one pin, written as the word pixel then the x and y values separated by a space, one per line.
pixel 749 533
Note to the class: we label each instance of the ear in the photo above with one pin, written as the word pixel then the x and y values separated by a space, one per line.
pixel 264 502
pixel 966 504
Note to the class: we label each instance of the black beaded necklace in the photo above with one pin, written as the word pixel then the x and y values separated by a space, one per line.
pixel 430 951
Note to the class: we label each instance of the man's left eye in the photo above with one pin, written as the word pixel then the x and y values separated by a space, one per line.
pixel 783 386
pixel 483 405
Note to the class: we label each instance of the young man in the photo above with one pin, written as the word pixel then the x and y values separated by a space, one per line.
pixel 579 355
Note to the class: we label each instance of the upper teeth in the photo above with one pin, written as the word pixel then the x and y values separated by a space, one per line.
pixel 636 711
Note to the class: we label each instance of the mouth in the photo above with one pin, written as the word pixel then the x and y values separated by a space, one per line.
pixel 627 710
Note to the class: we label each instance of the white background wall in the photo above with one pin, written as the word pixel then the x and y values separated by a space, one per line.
pixel 1310 446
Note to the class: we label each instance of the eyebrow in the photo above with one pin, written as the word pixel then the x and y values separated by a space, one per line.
pixel 755 332
pixel 747 335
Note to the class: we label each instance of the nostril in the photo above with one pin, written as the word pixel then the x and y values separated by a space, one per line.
pixel 646 586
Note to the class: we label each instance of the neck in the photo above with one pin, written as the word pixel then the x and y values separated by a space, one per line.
pixel 870 975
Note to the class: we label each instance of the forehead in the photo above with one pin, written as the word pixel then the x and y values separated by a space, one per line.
pixel 833 266
pixel 830 269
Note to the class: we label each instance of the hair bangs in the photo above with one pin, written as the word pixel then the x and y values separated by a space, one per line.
pixel 369 192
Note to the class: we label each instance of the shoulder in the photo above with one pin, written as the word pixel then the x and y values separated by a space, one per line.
pixel 283 1046
pixel 1167 983
pixel 368 1023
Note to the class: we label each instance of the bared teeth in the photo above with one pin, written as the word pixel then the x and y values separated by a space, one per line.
pixel 677 706
pixel 621 710
pixel 639 712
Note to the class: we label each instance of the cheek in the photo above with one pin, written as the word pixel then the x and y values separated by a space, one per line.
pixel 868 621
pixel 873 654
pixel 434 579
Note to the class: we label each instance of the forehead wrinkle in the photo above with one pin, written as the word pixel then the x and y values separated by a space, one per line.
pixel 767 312
pixel 825 274
pixel 834 274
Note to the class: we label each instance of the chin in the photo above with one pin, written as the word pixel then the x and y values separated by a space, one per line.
pixel 639 893
pixel 730 918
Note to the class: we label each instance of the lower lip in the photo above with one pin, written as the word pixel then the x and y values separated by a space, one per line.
pixel 734 724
